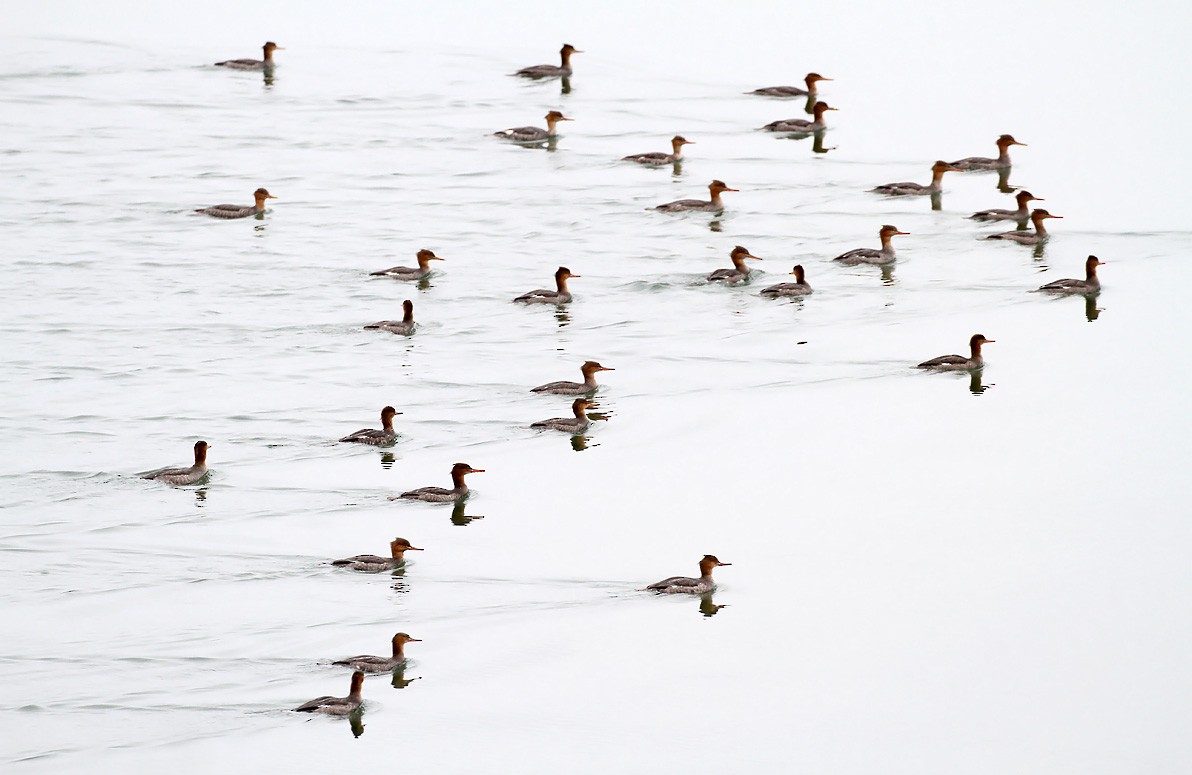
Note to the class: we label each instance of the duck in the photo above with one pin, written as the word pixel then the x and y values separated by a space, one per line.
pixel 870 256
pixel 405 326
pixel 739 271
pixel 408 272
pixel 337 706
pixel 715 188
pixel 577 424
pixel 378 438
pixel 1089 285
pixel 690 586
pixel 977 163
pixel 798 288
pixel 917 189
pixel 959 362
pixel 371 563
pixel 239 211
pixel 370 664
pixel 254 64
pixel 1021 214
pixel 534 134
pixel 1039 235
pixel 801 125
pixel 658 158
pixel 564 388
pixel 792 91
pixel 558 296
pixel 563 70
pixel 184 476
pixel 441 495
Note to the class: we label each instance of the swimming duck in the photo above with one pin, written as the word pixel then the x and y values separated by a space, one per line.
pixel 1029 237
pixel 565 388
pixel 871 256
pixel 658 158
pixel 441 495
pixel 534 134
pixel 792 91
pixel 1021 214
pixel 254 64
pixel 336 706
pixel 184 475
pixel 801 125
pixel 405 326
pixel 1089 285
pixel 239 211
pixel 917 189
pixel 739 271
pixel 551 71
pixel 370 664
pixel 371 563
pixel 683 584
pixel 959 362
pixel 378 438
pixel 558 296
pixel 408 272
pixel 577 424
pixel 715 188
pixel 975 163
pixel 798 288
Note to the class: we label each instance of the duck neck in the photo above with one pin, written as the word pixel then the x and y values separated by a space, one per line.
pixel 268 55
pixel 565 58
pixel 1003 155
pixel 457 479
pixel 1040 229
pixel 705 571
pixel 716 198
pixel 399 650
pixel 579 412
pixel 409 316
pixel 201 457
pixel 1090 272
pixel 887 245
pixel 676 149
pixel 387 424
pixel 354 695
pixel 799 277
pixel 589 382
pixel 975 352
pixel 561 284
pixel 937 179
pixel 739 265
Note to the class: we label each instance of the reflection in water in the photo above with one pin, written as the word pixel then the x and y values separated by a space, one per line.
pixel 1003 181
pixel 975 385
pixel 424 282
pixel 818 146
pixel 562 316
pixel 458 517
pixel 1091 310
pixel 200 497
pixel 809 106
pixel 1037 253
pixel 579 442
pixel 715 225
pixel 677 168
pixel 356 722
pixel 268 76
pixel 888 274
pixel 387 460
pixel 709 608
pixel 399 677
pixel 566 80
pixel 937 200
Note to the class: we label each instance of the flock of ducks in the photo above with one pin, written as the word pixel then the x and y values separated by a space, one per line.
pixel 584 390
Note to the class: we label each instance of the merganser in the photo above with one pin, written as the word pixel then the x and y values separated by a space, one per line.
pixel 405 326
pixel 551 71
pixel 441 495
pixel 577 424
pixel 871 256
pixel 959 362
pixel 184 475
pixel 975 163
pixel 691 586
pixel 739 271
pixel 1090 284
pixel 1021 214
pixel 716 188
pixel 534 134
pixel 798 288
pixel 801 125
pixel 658 158
pixel 792 91
pixel 558 296
pixel 378 438
pixel 917 189
pixel 565 388
pixel 239 211
pixel 371 563
pixel 408 272
pixel 370 664
pixel 1029 237
pixel 254 64
pixel 337 706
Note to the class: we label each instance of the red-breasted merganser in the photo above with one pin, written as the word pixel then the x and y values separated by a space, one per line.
pixel 577 424
pixel 658 158
pixel 565 388
pixel 798 288
pixel 975 163
pixel 716 188
pixel 792 91
pixel 551 71
pixel 1029 237
pixel 405 326
pixel 370 664
pixel 739 271
pixel 959 362
pixel 254 64
pixel 441 495
pixel 378 438
pixel 558 296
pixel 1090 284
pixel 801 125
pixel 371 563
pixel 918 189
pixel 1021 214
pixel 691 586
pixel 184 475
pixel 337 706
pixel 534 134
pixel 408 272
pixel 871 256
pixel 239 211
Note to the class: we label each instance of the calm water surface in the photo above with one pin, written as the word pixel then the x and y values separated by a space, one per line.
pixel 931 573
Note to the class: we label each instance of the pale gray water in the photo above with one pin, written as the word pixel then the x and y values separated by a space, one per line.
pixel 924 580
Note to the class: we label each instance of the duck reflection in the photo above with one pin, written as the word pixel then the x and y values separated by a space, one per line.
pixel 1003 181
pixel 387 460
pixel 708 607
pixel 268 72
pixel 356 722
pixel 937 201
pixel 566 82
pixel 818 143
pixel 458 517
pixel 715 225
pixel 562 316
pixel 1091 310
pixel 200 497
pixel 976 386
pixel 888 275
pixel 399 677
